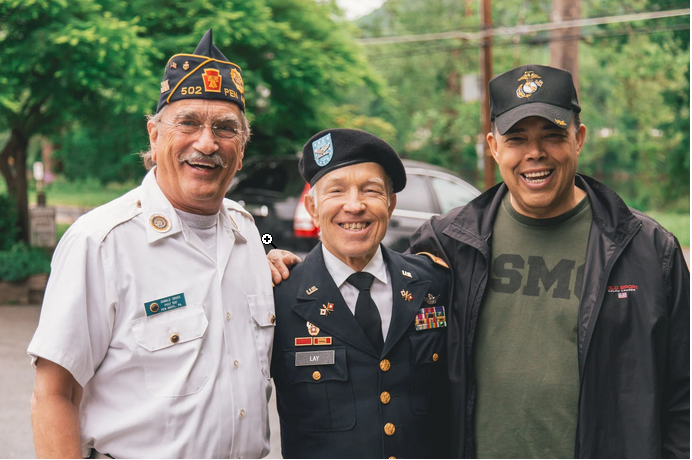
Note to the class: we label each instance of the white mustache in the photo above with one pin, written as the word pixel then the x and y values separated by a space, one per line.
pixel 197 156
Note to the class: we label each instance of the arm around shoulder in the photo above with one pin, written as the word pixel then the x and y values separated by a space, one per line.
pixel 55 412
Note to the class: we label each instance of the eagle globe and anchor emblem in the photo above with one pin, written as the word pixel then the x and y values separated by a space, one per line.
pixel 530 86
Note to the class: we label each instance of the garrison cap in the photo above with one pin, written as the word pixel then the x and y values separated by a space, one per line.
pixel 335 148
pixel 532 91
pixel 205 74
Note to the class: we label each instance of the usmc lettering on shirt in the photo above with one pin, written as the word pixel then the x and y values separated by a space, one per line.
pixel 510 273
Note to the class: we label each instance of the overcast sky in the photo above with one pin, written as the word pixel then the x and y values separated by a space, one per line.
pixel 357 8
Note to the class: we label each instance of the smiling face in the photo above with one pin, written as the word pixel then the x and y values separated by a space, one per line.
pixel 195 170
pixel 352 207
pixel 538 161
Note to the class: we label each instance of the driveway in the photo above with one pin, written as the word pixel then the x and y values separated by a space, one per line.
pixel 17 326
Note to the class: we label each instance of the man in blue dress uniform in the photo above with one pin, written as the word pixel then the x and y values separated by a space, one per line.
pixel 359 357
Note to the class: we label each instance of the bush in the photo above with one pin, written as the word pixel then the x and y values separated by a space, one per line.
pixel 8 223
pixel 22 261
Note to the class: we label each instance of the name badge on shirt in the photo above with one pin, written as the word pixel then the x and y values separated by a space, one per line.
pixel 314 358
pixel 165 304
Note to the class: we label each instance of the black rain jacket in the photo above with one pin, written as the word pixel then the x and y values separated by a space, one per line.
pixel 634 361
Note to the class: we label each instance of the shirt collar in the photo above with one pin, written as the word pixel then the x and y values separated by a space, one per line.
pixel 339 271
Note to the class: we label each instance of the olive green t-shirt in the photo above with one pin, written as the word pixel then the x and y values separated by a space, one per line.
pixel 525 356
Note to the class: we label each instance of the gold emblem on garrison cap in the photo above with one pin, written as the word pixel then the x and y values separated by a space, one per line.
pixel 173 65
pixel 312 329
pixel 160 223
pixel 165 86
pixel 530 86
pixel 238 80
pixel 431 299
pixel 186 65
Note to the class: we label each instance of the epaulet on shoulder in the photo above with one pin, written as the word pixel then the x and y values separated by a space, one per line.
pixel 436 260
pixel 233 206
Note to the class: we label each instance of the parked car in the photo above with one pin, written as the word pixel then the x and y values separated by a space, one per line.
pixel 272 190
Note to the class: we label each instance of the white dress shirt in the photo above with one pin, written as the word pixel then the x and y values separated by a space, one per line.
pixel 381 290
pixel 186 382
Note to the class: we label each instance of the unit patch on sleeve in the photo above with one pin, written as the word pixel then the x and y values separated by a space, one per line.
pixel 431 318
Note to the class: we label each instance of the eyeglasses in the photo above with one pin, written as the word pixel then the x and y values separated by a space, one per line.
pixel 222 130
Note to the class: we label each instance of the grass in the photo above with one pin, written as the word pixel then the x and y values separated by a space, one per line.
pixel 677 224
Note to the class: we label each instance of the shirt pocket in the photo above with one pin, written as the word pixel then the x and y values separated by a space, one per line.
pixel 170 351
pixel 262 312
pixel 428 355
pixel 320 396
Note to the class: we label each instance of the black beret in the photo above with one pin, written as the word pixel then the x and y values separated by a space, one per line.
pixel 335 148
pixel 205 74
pixel 532 91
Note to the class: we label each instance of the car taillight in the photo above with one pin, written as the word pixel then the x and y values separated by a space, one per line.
pixel 302 222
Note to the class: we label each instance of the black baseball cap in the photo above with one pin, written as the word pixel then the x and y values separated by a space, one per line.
pixel 204 74
pixel 335 148
pixel 532 91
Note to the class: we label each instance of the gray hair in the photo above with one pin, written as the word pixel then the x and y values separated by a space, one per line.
pixel 147 156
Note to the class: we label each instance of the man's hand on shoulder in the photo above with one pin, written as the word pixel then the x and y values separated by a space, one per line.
pixel 279 261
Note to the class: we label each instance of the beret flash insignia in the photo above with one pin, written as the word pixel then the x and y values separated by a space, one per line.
pixel 530 86
pixel 323 150
pixel 238 80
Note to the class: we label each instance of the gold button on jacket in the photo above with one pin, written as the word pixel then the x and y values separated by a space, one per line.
pixel 385 397
pixel 389 429
pixel 385 365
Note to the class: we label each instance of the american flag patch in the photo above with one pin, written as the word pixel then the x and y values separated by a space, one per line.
pixel 431 318
pixel 622 295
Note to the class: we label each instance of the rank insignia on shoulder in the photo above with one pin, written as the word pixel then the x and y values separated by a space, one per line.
pixel 431 318
pixel 326 309
pixel 435 259
pixel 311 291
pixel 312 329
pixel 407 296
pixel 405 273
pixel 431 299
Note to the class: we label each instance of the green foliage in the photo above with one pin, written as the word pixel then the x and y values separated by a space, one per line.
pixel 22 261
pixel 676 223
pixel 8 222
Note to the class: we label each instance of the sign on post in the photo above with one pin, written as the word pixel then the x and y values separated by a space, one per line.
pixel 43 233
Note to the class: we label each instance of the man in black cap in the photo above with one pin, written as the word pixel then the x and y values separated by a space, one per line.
pixel 569 324
pixel 359 356
pixel 156 329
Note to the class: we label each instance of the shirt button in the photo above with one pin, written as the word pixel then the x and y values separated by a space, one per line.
pixel 316 375
pixel 242 413
pixel 228 316
pixel 175 338
pixel 389 429
pixel 392 457
pixel 236 363
pixel 385 397
pixel 436 357
pixel 385 365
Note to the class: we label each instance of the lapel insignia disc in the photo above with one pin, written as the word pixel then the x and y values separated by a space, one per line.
pixel 405 273
pixel 326 309
pixel 407 296
pixel 431 299
pixel 311 291
pixel 160 223
pixel 186 65
pixel 530 86
pixel 312 329
pixel 431 318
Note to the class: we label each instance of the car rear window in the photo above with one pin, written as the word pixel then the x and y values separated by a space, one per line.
pixel 276 178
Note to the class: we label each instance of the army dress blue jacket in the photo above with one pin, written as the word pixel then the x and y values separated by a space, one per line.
pixel 360 404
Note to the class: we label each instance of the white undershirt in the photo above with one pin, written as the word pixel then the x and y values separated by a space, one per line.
pixel 381 290
pixel 204 226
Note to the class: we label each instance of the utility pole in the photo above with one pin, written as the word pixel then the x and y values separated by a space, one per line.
pixel 486 75
pixel 564 43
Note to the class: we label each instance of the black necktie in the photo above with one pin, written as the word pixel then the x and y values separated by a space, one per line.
pixel 367 314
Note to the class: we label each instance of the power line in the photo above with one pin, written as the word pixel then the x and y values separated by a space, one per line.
pixel 525 29
pixel 532 42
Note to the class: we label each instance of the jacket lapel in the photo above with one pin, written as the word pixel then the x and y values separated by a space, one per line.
pixel 340 323
pixel 403 311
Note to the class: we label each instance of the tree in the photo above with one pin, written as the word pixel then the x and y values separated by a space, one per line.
pixel 63 60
